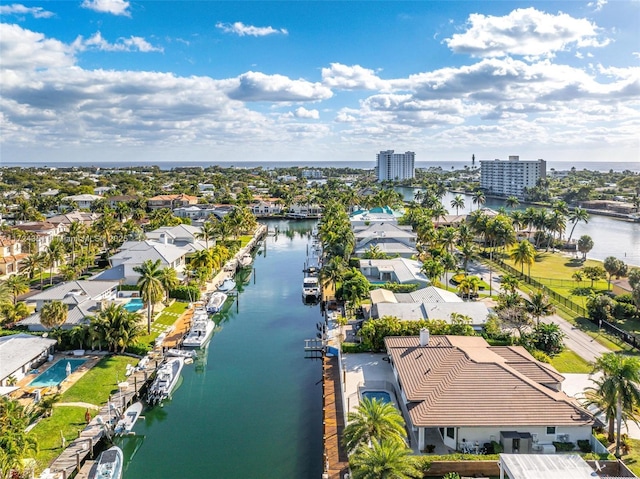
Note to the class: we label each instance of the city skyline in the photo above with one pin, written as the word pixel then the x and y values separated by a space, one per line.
pixel 93 80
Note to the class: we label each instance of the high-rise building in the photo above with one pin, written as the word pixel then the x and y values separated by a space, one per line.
pixel 510 178
pixel 395 166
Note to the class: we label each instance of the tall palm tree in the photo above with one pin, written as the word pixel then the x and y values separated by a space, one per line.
pixel 208 232
pixel 385 459
pixel 55 254
pixel 53 314
pixel 17 284
pixel 523 253
pixel 119 328
pixel 469 286
pixel 479 199
pixel 620 385
pixel 538 305
pixel 512 201
pixel 373 419
pixel 169 280
pixel 150 285
pixel 575 217
pixel 15 443
pixel 74 233
pixel 457 202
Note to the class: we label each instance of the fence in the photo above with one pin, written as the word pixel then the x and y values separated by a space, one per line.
pixel 630 339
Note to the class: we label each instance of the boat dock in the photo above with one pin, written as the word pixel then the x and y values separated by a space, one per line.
pixel 336 462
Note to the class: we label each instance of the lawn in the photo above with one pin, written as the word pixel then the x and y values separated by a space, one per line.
pixel 166 318
pixel 569 362
pixel 65 421
pixel 632 460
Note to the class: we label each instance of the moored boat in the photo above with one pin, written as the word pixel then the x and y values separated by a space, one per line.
pixel 129 418
pixel 246 260
pixel 216 301
pixel 180 353
pixel 227 285
pixel 310 287
pixel 108 465
pixel 166 380
pixel 201 330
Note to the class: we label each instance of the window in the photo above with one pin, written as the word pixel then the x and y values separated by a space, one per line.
pixel 551 430
pixel 451 432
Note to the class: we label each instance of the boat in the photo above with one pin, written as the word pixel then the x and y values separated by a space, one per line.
pixel 166 380
pixel 227 285
pixel 216 301
pixel 129 418
pixel 108 465
pixel 201 330
pixel 246 260
pixel 310 288
pixel 180 353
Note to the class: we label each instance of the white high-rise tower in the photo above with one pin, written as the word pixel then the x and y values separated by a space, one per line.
pixel 395 166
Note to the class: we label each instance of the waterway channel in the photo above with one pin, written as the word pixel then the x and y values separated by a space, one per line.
pixel 251 406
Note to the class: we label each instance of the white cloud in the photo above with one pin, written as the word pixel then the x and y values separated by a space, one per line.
pixel 597 5
pixel 241 29
pixel 115 7
pixel 351 77
pixel 96 41
pixel 26 50
pixel 18 9
pixel 527 32
pixel 256 86
pixel 302 112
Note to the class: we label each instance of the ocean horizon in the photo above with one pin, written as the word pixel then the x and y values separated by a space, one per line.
pixel 602 166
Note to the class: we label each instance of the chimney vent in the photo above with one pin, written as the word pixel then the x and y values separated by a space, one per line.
pixel 424 337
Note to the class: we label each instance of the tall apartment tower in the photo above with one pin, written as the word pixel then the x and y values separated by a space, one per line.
pixel 510 178
pixel 395 166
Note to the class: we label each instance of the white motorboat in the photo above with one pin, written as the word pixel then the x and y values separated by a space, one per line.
pixel 108 465
pixel 129 418
pixel 166 380
pixel 181 353
pixel 216 301
pixel 201 330
pixel 227 285
pixel 246 260
pixel 310 287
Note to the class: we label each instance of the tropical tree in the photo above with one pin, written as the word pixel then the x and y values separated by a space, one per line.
pixel 469 286
pixel 116 327
pixel 512 201
pixel 575 217
pixel 548 338
pixel 594 273
pixel 457 202
pixel 432 269
pixel 55 253
pixel 538 305
pixel 73 235
pixel 15 443
pixel 614 266
pixel 620 385
pixel 33 264
pixel 373 419
pixel 585 244
pixel 509 283
pixel 150 285
pixel 53 314
pixel 169 280
pixel 523 253
pixel 17 284
pixel 208 232
pixel 384 459
pixel 479 198
pixel 10 313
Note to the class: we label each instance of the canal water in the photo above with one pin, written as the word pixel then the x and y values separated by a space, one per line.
pixel 611 236
pixel 251 406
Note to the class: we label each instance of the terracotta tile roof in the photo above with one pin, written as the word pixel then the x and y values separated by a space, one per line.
pixel 461 381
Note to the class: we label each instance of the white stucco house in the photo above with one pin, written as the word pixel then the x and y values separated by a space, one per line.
pixel 397 270
pixel 389 238
pixel 19 354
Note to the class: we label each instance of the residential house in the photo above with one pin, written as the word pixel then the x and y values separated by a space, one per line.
pixel 397 270
pixel 388 238
pixel 114 200
pixel 201 213
pixel 84 202
pixel 184 236
pixel 42 232
pixel 83 298
pixel 462 391
pixel 171 201
pixel 19 354
pixel 266 207
pixel 304 210
pixel 10 256
pixel 102 190
pixel 84 217
pixel 374 215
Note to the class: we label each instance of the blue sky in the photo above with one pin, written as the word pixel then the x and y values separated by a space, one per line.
pixel 140 81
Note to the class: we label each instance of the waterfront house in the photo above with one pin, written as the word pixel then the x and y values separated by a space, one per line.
pixel 19 354
pixel 171 201
pixel 184 236
pixel 201 213
pixel 388 238
pixel 304 210
pixel 374 215
pixel 461 391
pixel 82 297
pixel 266 207
pixel 397 270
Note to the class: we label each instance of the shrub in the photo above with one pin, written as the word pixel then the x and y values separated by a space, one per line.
pixel 540 356
pixel 584 445
pixel 624 310
pixel 353 348
pixel 185 293
pixel 497 447
pixel 625 298
pixel 564 446
pixel 139 349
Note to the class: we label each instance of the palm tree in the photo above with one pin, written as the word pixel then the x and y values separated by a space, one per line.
pixel 478 198
pixel 385 459
pixel 10 313
pixel 585 244
pixel 33 264
pixel 17 284
pixel 538 305
pixel 512 201
pixel 208 231
pixel 150 284
pixel 576 216
pixel 74 233
pixel 432 269
pixel 373 419
pixel 619 386
pixel 469 286
pixel 169 280
pixel 457 202
pixel 118 327
pixel 55 254
pixel 53 314
pixel 15 443
pixel 523 253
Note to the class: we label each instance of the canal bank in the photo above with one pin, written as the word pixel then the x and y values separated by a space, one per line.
pixel 252 406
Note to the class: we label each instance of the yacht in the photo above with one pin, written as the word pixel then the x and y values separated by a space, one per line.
pixel 311 288
pixel 201 330
pixel 216 301
pixel 108 465
pixel 166 380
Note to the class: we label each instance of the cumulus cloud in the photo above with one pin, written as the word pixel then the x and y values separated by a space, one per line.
pixel 27 50
pixel 240 29
pixel 527 32
pixel 96 41
pixel 353 77
pixel 597 5
pixel 18 9
pixel 115 7
pixel 256 86
pixel 303 113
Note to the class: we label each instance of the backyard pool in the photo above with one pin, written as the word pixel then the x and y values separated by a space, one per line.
pixel 56 373
pixel 383 396
pixel 134 305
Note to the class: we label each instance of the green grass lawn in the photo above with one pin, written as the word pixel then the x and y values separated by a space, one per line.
pixel 65 421
pixel 168 316
pixel 632 460
pixel 569 362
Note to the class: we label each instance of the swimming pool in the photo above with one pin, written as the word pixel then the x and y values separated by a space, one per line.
pixel 56 373
pixel 383 396
pixel 134 305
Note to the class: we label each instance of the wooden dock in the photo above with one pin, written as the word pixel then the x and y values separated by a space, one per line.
pixel 336 462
